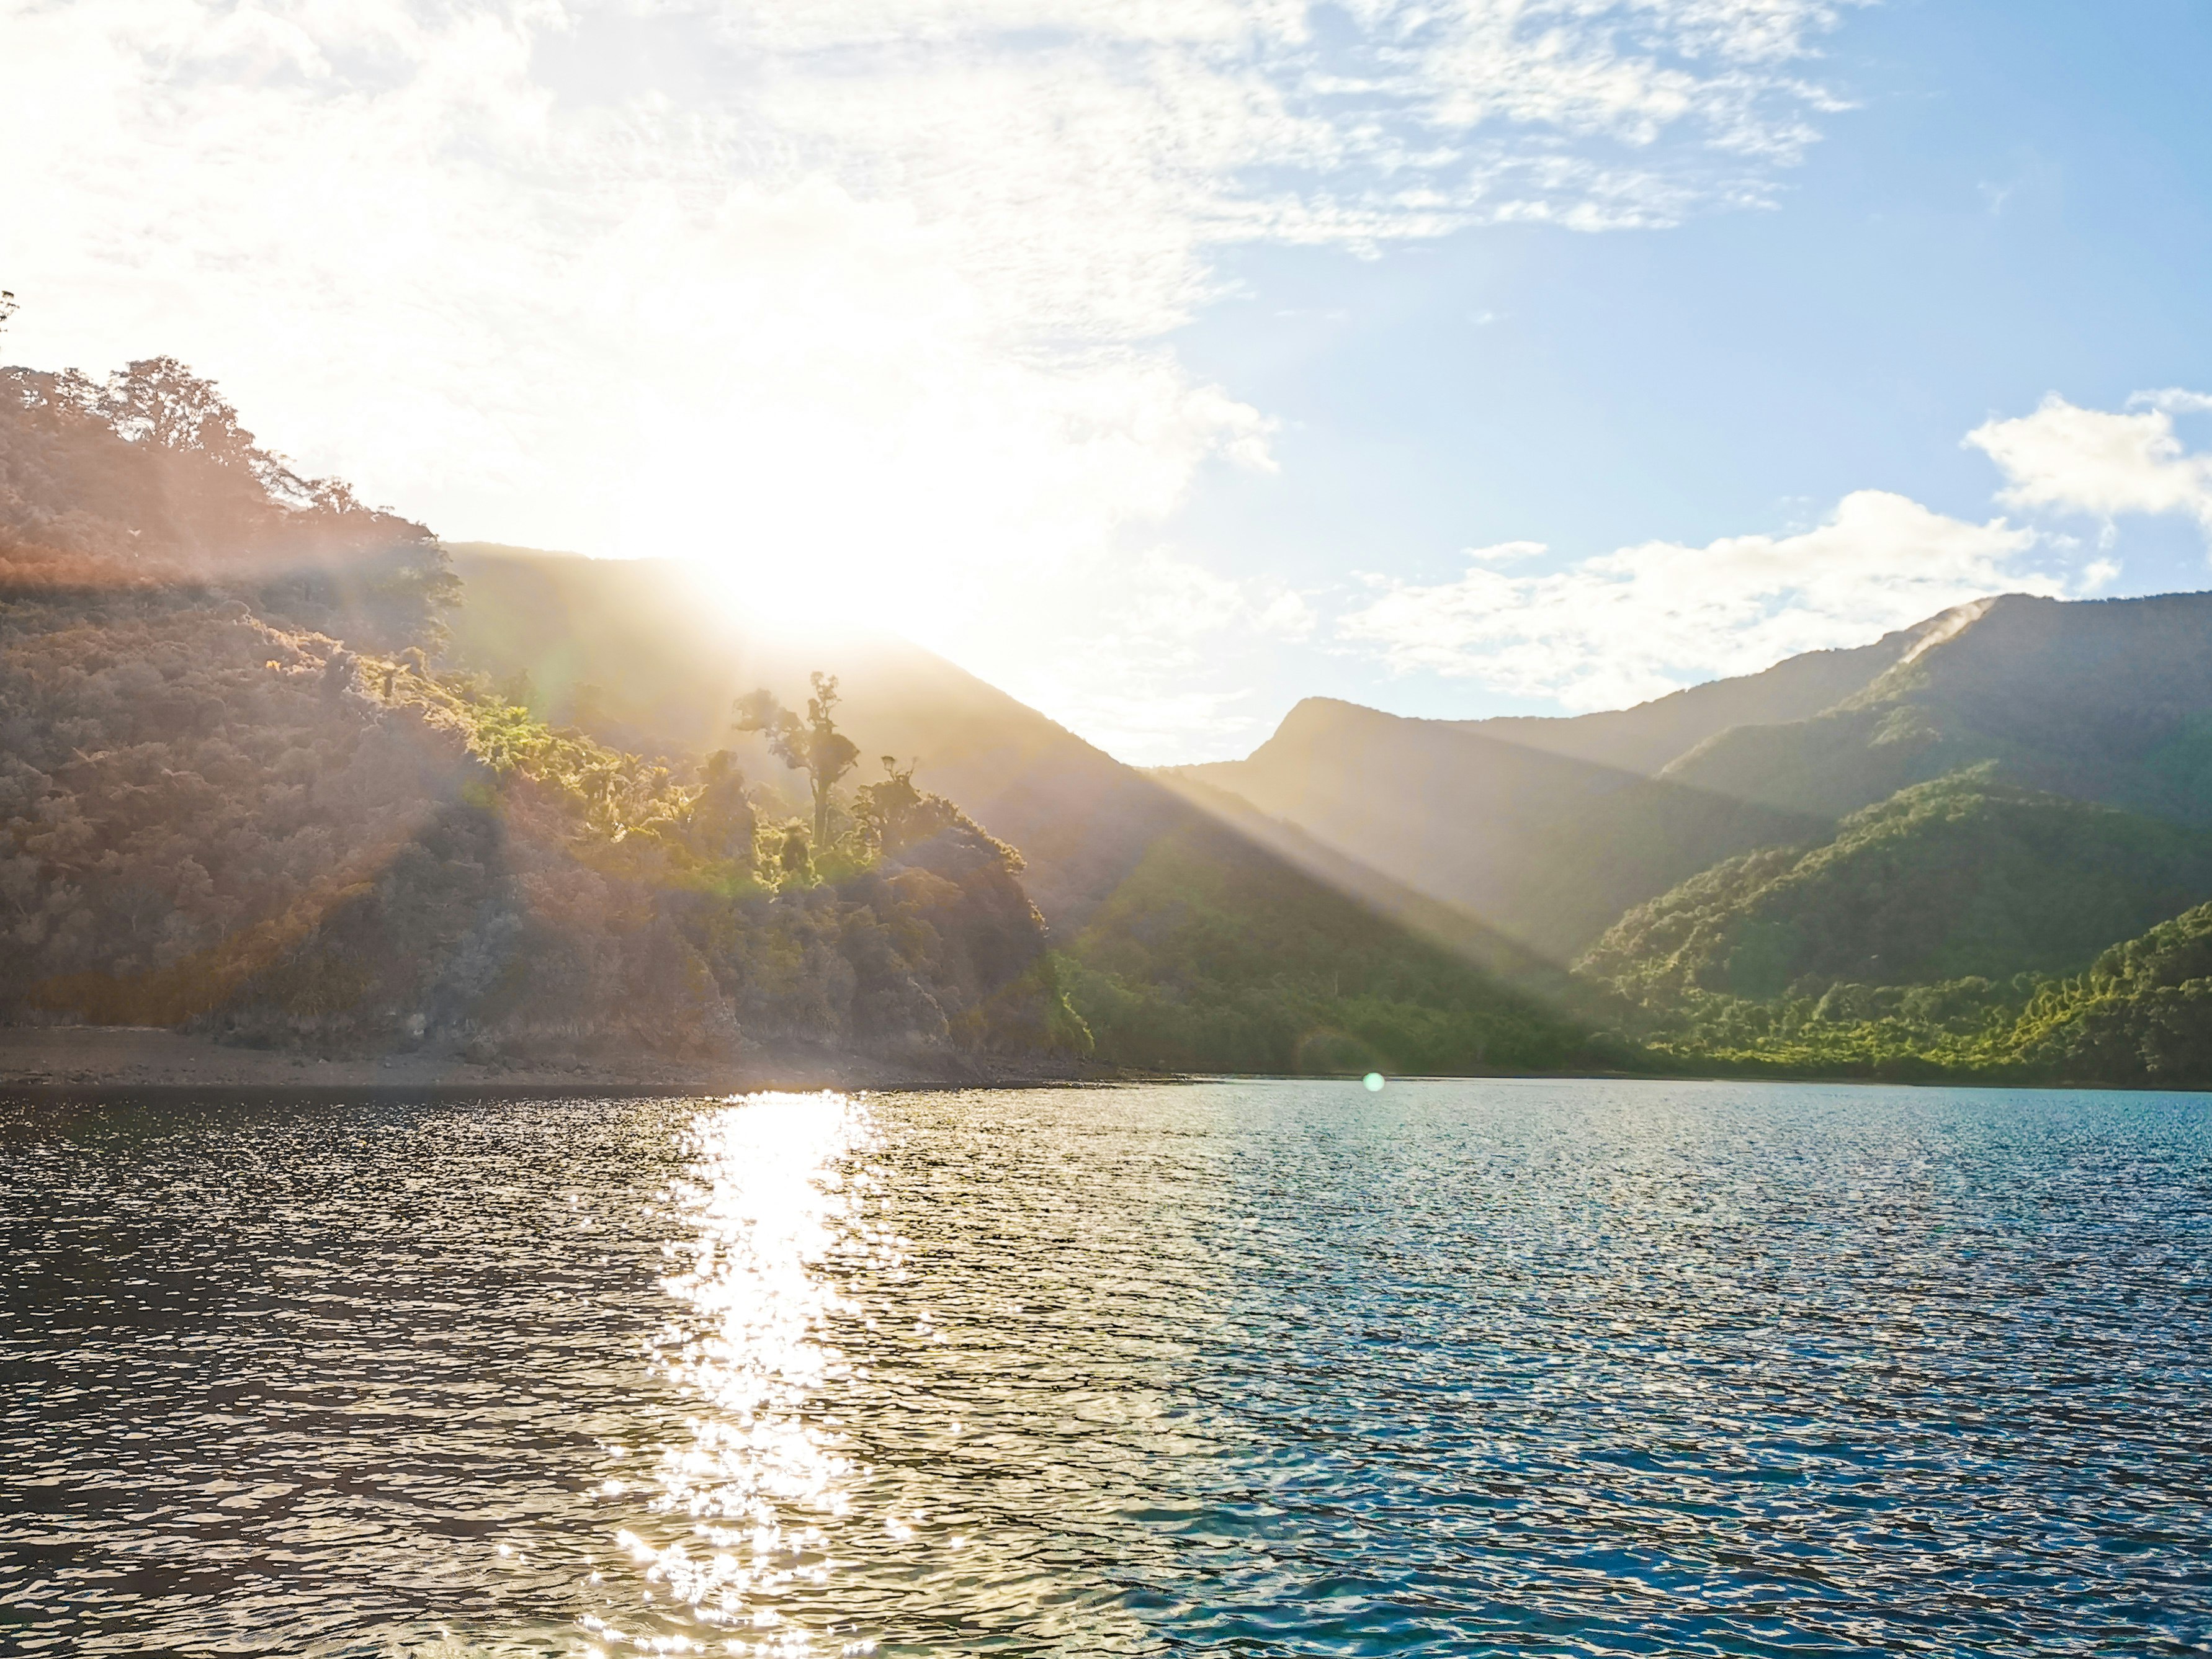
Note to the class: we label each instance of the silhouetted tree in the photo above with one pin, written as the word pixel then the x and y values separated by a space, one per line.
pixel 720 823
pixel 161 400
pixel 814 745
pixel 896 815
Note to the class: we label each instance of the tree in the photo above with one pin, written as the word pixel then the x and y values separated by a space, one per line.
pixel 160 400
pixel 7 308
pixel 814 745
pixel 896 815
pixel 720 823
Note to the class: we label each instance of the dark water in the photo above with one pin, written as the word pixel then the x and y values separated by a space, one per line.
pixel 1526 1368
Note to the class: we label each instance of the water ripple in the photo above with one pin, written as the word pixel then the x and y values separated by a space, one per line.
pixel 1514 1368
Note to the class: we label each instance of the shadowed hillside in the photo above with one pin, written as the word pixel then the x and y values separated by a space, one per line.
pixel 263 781
pixel 1545 846
pixel 1214 954
pixel 1518 821
pixel 2106 700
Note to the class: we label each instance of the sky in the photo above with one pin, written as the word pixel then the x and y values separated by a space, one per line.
pixel 1164 361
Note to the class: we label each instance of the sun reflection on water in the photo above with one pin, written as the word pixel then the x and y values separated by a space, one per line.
pixel 773 1185
pixel 1251 1368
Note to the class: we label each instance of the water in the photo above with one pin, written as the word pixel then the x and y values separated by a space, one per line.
pixel 1524 1368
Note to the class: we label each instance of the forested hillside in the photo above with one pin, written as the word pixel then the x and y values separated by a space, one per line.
pixel 2142 1013
pixel 1125 870
pixel 1888 878
pixel 275 772
pixel 1956 930
pixel 2139 1015
pixel 2106 700
pixel 214 813
pixel 1962 876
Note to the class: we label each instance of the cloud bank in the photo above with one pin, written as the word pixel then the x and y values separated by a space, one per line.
pixel 1640 623
pixel 1637 623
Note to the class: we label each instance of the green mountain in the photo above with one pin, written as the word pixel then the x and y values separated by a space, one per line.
pixel 1551 830
pixel 264 779
pixel 1548 848
pixel 2106 700
pixel 1961 877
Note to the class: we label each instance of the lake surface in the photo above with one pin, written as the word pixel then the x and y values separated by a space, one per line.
pixel 1457 1368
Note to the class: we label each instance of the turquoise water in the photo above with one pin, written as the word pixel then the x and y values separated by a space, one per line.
pixel 1451 1368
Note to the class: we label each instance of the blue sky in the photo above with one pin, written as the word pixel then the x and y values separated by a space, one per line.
pixel 1166 360
pixel 2019 202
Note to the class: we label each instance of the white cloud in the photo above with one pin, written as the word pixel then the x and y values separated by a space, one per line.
pixel 1639 622
pixel 1287 616
pixel 2174 400
pixel 2088 460
pixel 875 288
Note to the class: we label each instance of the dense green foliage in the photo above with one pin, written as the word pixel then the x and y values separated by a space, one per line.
pixel 1932 938
pixel 2140 1015
pixel 1962 1030
pixel 1215 957
pixel 1961 877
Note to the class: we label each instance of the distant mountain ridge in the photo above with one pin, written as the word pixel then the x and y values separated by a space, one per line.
pixel 1553 829
pixel 1649 737
pixel 2104 699
pixel 1547 847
